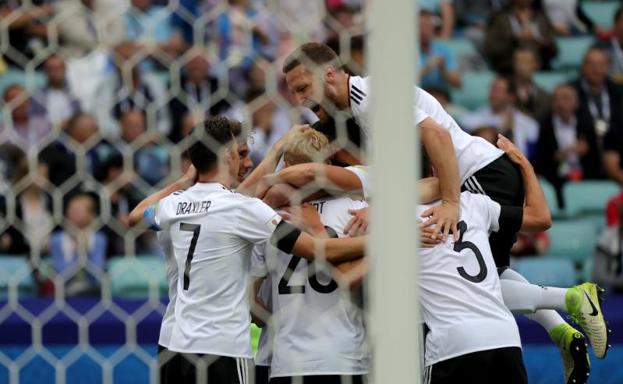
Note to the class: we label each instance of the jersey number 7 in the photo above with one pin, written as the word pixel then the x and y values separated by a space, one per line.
pixel 195 229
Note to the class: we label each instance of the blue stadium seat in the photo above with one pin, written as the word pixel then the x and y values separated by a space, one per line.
pixel 550 196
pixel 601 12
pixel 15 270
pixel 571 51
pixel 136 277
pixel 550 80
pixel 572 240
pixel 549 272
pixel 588 196
pixel 475 91
pixel 12 76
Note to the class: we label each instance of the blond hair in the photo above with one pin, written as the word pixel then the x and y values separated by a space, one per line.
pixel 306 147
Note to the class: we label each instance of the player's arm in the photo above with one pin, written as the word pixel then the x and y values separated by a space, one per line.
pixel 330 178
pixel 268 164
pixel 292 240
pixel 440 150
pixel 536 213
pixel 138 213
pixel 351 273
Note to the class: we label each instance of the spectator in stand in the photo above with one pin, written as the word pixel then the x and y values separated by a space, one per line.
pixel 568 18
pixel 120 93
pixel 437 62
pixel 151 160
pixel 59 160
pixel 614 47
pixel 27 127
pixel 197 94
pixel 601 100
pixel 567 148
pixel 148 25
pixel 443 10
pixel 473 16
pixel 502 116
pixel 27 29
pixel 344 17
pixel 78 251
pixel 86 25
pixel 56 98
pixel 531 99
pixel 521 23
pixel 270 122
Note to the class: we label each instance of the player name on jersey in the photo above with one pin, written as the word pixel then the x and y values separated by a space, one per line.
pixel 194 207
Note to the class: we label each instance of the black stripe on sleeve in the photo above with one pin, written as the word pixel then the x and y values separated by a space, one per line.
pixel 285 236
pixel 355 100
pixel 359 91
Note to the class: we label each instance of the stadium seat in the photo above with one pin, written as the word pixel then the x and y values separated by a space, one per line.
pixel 601 12
pixel 467 57
pixel 588 196
pixel 586 274
pixel 12 76
pixel 572 240
pixel 550 196
pixel 136 277
pixel 571 51
pixel 549 272
pixel 16 270
pixel 550 80
pixel 475 91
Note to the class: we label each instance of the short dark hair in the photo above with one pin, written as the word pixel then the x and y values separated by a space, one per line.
pixel 212 136
pixel 617 14
pixel 316 53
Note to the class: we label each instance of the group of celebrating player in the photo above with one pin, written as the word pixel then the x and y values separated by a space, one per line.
pixel 294 236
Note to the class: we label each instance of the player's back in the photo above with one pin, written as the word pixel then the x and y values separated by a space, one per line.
pixel 212 232
pixel 318 329
pixel 460 290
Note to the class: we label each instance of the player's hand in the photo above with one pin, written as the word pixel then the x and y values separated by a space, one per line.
pixel 511 150
pixel 445 217
pixel 429 237
pixel 305 217
pixel 190 177
pixel 358 224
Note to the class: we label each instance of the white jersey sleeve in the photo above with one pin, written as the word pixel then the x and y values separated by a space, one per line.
pixel 256 221
pixel 363 175
pixel 498 216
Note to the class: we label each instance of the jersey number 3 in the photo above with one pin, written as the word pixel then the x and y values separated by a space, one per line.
pixel 461 245
pixel 195 229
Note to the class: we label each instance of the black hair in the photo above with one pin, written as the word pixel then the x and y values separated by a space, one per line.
pixel 212 136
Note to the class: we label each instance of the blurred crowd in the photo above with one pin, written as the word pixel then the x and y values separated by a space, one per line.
pixel 99 97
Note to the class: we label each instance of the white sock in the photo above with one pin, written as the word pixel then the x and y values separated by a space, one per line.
pixel 524 297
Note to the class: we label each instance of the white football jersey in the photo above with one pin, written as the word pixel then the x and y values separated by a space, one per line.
pixel 460 291
pixel 213 231
pixel 164 240
pixel 362 173
pixel 473 153
pixel 318 329
pixel 264 353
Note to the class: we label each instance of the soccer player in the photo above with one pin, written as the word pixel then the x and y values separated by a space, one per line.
pixel 319 336
pixel 316 79
pixel 212 231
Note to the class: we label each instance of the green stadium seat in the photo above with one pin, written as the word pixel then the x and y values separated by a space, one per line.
pixel 588 196
pixel 15 270
pixel 550 80
pixel 475 90
pixel 586 274
pixel 136 277
pixel 572 240
pixel 548 272
pixel 12 76
pixel 571 51
pixel 550 196
pixel 467 57
pixel 601 12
